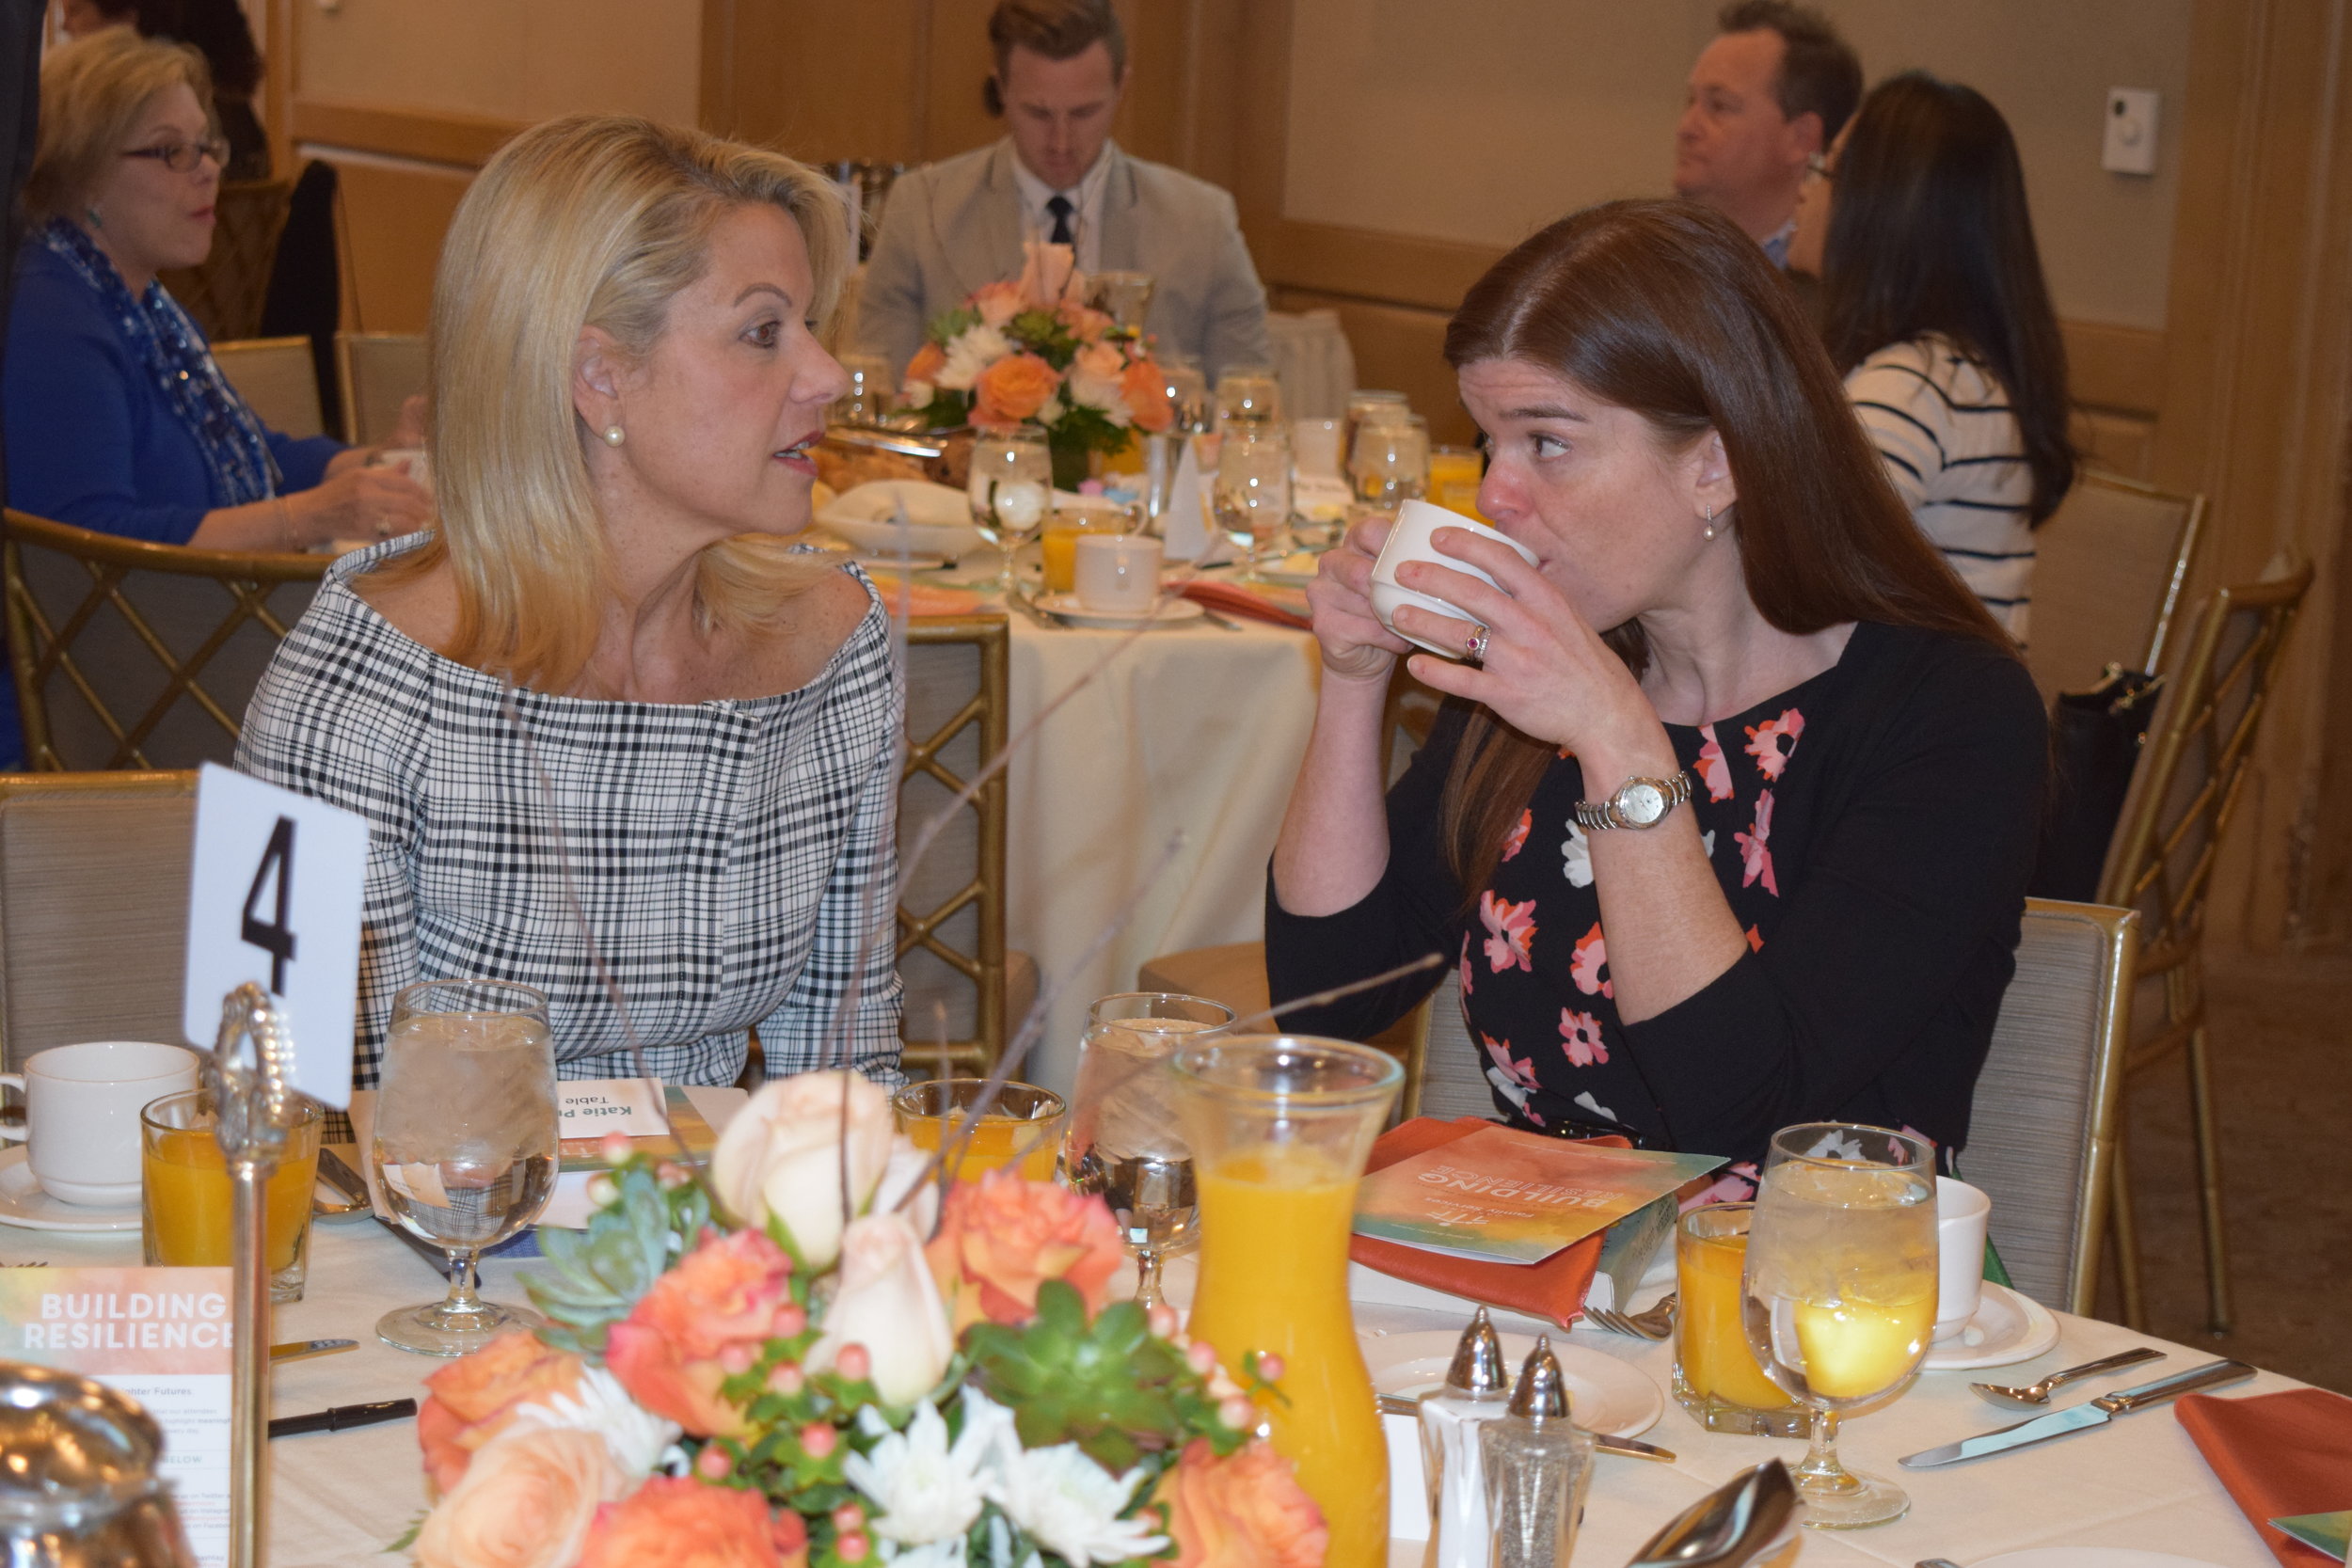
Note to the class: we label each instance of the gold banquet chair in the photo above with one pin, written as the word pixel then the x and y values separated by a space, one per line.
pixel 964 990
pixel 278 379
pixel 225 292
pixel 2042 1125
pixel 2181 807
pixel 94 908
pixel 131 655
pixel 2109 571
pixel 377 372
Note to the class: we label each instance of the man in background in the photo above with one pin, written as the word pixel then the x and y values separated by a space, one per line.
pixel 1767 97
pixel 952 227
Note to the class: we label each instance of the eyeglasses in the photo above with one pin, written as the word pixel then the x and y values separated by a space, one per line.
pixel 1819 167
pixel 180 157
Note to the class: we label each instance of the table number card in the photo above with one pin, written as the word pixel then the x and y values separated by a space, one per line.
pixel 161 1336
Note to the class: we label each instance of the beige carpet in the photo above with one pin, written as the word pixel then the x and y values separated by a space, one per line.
pixel 2280 1028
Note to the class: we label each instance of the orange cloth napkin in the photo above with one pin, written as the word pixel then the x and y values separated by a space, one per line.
pixel 1282 608
pixel 2278 1456
pixel 1553 1288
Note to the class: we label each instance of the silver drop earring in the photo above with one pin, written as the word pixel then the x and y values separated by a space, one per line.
pixel 612 435
pixel 1710 522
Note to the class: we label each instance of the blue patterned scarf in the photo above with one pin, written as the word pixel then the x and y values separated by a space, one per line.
pixel 170 346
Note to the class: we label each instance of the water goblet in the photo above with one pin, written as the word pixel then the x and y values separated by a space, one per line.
pixel 1249 395
pixel 1123 1142
pixel 1187 394
pixel 1839 1289
pixel 1390 461
pixel 1253 489
pixel 464 1142
pixel 1010 489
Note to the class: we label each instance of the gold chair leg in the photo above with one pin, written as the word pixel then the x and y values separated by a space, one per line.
pixel 2126 1234
pixel 2209 1180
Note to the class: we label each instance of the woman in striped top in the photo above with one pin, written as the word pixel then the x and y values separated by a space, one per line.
pixel 1934 306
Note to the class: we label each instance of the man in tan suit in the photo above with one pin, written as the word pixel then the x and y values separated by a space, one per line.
pixel 951 227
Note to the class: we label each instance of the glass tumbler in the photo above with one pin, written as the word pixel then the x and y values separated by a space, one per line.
pixel 1280 1125
pixel 1716 1377
pixel 186 1195
pixel 1021 1127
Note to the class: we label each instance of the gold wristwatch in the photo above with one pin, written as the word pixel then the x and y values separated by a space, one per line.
pixel 1638 802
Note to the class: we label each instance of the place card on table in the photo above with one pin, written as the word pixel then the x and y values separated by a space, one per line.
pixel 161 1336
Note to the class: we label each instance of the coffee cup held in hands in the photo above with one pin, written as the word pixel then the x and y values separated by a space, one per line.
pixel 1118 574
pixel 82 1105
pixel 1410 539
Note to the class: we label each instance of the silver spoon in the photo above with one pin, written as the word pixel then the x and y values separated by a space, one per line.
pixel 2033 1396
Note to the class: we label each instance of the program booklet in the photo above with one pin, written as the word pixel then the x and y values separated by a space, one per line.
pixel 1505 1196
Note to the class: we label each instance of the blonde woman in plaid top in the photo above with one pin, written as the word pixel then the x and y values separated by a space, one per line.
pixel 624 385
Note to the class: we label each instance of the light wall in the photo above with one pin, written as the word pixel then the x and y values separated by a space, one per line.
pixel 1479 121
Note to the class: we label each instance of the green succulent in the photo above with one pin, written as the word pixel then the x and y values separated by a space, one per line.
pixel 1111 1386
pixel 599 1273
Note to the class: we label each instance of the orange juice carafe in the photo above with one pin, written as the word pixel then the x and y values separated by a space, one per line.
pixel 1279 1127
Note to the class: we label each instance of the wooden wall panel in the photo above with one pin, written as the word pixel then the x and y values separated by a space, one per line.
pixel 394 215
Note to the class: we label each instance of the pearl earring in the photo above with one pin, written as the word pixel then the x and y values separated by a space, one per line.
pixel 1710 522
pixel 612 435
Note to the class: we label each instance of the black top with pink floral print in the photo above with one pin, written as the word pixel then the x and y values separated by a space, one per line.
pixel 1872 829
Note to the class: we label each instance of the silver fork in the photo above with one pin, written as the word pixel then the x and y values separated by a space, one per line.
pixel 1655 1324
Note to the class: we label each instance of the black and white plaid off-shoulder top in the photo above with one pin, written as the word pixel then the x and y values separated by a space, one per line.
pixel 729 854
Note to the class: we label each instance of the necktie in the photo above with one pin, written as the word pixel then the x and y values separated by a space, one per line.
pixel 1059 206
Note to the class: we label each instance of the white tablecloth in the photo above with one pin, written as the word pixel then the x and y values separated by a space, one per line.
pixel 340 1498
pixel 1189 728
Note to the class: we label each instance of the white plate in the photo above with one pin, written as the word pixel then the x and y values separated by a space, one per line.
pixel 22 1203
pixel 1604 1394
pixel 867 516
pixel 2014 1328
pixel 2090 1557
pixel 1168 612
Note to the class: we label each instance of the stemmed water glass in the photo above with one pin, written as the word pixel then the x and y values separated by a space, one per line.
pixel 1253 489
pixel 1010 489
pixel 1390 461
pixel 1249 395
pixel 464 1142
pixel 1839 1291
pixel 1123 1143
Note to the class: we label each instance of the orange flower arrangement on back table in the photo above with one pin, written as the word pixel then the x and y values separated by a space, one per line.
pixel 760 1384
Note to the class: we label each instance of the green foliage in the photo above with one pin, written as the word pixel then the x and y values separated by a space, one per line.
pixel 599 1273
pixel 1111 1386
pixel 1041 332
pixel 954 325
pixel 947 410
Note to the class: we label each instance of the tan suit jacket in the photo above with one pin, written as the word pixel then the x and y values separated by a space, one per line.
pixel 950 228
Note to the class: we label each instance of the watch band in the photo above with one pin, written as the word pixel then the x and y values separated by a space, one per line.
pixel 1593 815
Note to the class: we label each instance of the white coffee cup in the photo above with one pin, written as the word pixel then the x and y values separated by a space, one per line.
pixel 1409 540
pixel 412 461
pixel 82 1105
pixel 1117 574
pixel 1961 1215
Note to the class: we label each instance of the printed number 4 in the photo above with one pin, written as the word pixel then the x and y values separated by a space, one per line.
pixel 274 937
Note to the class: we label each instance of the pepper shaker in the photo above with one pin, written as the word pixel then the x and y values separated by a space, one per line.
pixel 1538 1465
pixel 1476 1389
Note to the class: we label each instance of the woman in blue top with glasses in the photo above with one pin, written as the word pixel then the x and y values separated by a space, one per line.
pixel 117 417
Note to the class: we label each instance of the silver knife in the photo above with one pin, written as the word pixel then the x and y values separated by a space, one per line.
pixel 1627 1448
pixel 301 1350
pixel 2080 1417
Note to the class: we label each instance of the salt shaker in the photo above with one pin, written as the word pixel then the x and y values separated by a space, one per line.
pixel 1476 1388
pixel 1538 1465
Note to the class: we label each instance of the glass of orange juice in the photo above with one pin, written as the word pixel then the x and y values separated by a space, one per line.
pixel 1716 1377
pixel 1455 474
pixel 1280 1126
pixel 1022 1127
pixel 185 1193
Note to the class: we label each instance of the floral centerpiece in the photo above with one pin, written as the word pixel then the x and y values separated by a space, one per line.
pixel 814 1361
pixel 1029 352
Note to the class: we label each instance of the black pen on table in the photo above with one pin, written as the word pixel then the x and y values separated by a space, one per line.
pixel 342 1416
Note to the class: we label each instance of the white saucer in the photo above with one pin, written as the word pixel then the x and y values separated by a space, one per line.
pixel 2013 1327
pixel 2090 1557
pixel 23 1203
pixel 1605 1394
pixel 1168 612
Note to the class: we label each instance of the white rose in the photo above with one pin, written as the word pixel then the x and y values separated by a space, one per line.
pixel 888 1303
pixel 784 1156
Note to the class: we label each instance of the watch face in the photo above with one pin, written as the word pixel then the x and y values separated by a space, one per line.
pixel 1642 803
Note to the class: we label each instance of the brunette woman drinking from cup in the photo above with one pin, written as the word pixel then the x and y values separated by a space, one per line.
pixel 1728 825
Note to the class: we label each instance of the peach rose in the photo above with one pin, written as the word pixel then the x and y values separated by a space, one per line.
pixel 474 1397
pixel 1013 389
pixel 667 1353
pixel 1244 1511
pixel 1085 322
pixel 679 1522
pixel 928 362
pixel 1145 388
pixel 999 303
pixel 527 1501
pixel 1002 1237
